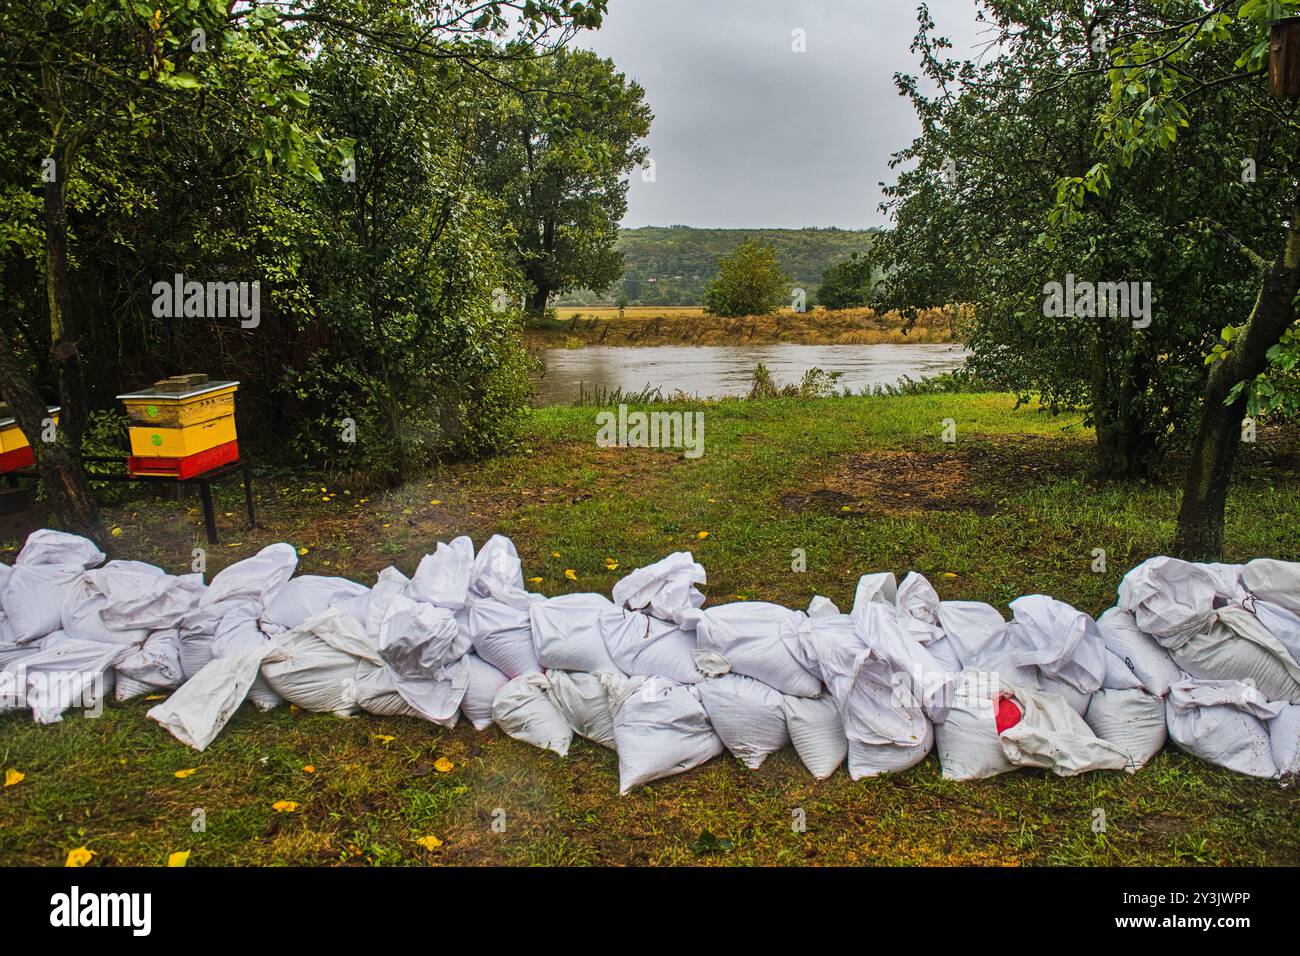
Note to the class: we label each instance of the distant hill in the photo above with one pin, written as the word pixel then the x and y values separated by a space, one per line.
pixel 670 265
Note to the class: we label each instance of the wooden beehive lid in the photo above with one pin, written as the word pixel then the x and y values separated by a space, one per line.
pixel 8 420
pixel 176 391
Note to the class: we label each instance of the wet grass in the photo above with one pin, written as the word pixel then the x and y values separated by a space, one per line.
pixel 857 485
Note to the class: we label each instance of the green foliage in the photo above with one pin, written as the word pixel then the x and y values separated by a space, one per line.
pixel 378 309
pixel 1011 186
pixel 671 265
pixel 556 154
pixel 847 285
pixel 749 282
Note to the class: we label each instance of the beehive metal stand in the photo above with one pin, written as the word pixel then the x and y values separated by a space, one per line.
pixel 203 480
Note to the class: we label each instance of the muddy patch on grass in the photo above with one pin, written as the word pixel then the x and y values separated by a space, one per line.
pixel 974 477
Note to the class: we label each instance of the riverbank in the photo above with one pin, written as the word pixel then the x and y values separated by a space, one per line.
pixel 859 484
pixel 578 326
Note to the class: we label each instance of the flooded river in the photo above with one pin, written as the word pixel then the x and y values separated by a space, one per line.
pixel 716 371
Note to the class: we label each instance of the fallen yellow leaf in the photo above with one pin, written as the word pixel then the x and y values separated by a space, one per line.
pixel 429 842
pixel 303 550
pixel 156 697
pixel 14 776
pixel 179 858
pixel 443 765
pixel 571 574
pixel 534 580
pixel 702 535
pixel 284 806
pixel 384 738
pixel 310 768
pixel 555 554
pixel 79 857
pixel 188 772
pixel 435 501
pixel 116 532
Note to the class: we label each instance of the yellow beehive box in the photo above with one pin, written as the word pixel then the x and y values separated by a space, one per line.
pixel 12 437
pixel 177 418
pixel 182 442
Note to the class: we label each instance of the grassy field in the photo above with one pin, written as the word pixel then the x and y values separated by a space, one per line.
pixel 578 326
pixel 860 484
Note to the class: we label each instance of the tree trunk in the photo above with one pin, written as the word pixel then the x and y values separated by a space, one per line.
pixel 537 302
pixel 1209 472
pixel 59 463
pixel 65 358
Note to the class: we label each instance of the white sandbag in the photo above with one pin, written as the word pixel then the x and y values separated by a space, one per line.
pixel 983 641
pixel 236 633
pixel 198 629
pixel 150 665
pixel 919 606
pixel 1119 676
pixel 1169 599
pixel 1281 622
pixel 661 729
pixel 1277 582
pixel 83 603
pixel 318 664
pixel 306 596
pixel 443 577
pixel 817 731
pixel 1149 661
pixel 502 634
pixel 198 711
pixel 523 710
pixel 1223 652
pixel 497 571
pixel 34 599
pixel 663 589
pixel 645 646
pixel 1284 741
pixel 756 639
pixel 967 741
pixel 747 715
pixel 1227 581
pixel 881 680
pixel 822 607
pixel 68 673
pixel 1052 736
pixel 58 547
pixel 372 607
pixel 377 694
pixel 5 573
pixel 905 666
pixel 1133 720
pixel 148 600
pixel 483 682
pixel 1076 699
pixel 1222 722
pixel 424 648
pixel 583 701
pixel 1062 642
pixel 258 578
pixel 569 631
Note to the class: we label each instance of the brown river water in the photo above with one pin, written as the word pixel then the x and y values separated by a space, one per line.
pixel 718 371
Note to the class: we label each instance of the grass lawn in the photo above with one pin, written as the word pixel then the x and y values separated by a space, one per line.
pixel 859 485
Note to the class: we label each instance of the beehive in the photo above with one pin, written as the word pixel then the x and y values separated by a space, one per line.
pixel 181 426
pixel 15 449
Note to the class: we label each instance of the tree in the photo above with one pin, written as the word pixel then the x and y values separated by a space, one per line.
pixel 749 282
pixel 977 223
pixel 91 83
pixel 847 284
pixel 557 154
pixel 1173 79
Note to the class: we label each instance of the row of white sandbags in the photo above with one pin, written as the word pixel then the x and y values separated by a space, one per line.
pixel 1049 651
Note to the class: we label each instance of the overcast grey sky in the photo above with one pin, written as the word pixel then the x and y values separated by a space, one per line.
pixel 749 133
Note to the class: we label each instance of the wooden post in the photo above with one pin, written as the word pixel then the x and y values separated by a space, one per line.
pixel 1284 58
